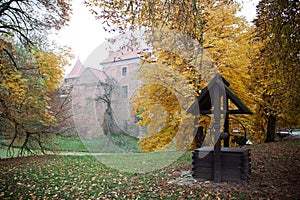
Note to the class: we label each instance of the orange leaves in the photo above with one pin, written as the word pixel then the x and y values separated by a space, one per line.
pixel 158 142
pixel 157 107
pixel 162 100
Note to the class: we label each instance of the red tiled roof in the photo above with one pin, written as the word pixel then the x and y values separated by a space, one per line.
pixel 98 73
pixel 76 71
pixel 122 54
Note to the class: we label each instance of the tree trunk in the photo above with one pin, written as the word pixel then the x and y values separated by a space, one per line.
pixel 110 126
pixel 271 129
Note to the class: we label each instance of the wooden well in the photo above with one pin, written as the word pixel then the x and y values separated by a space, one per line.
pixel 219 164
pixel 235 164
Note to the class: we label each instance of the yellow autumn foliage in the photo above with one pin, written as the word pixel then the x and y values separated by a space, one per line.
pixel 27 86
pixel 191 42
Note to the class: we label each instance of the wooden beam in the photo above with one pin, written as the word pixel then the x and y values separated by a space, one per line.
pixel 226 130
pixel 217 126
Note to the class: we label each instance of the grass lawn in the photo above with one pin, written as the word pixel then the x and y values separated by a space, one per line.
pixel 123 142
pixel 77 144
pixel 275 175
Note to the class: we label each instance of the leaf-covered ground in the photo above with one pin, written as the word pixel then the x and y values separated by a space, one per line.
pixel 275 175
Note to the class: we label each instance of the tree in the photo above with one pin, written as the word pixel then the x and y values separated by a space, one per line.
pixel 27 24
pixel 30 70
pixel 211 26
pixel 26 103
pixel 25 19
pixel 109 124
pixel 276 65
pixel 61 109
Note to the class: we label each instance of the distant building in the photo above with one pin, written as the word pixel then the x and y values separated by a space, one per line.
pixel 75 72
pixel 88 114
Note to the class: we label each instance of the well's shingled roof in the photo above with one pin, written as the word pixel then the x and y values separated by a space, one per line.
pixel 203 104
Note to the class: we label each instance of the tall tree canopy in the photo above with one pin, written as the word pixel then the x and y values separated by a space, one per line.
pixel 25 19
pixel 29 70
pixel 276 70
pixel 210 26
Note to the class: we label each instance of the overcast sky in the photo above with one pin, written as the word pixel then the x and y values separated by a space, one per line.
pixel 85 33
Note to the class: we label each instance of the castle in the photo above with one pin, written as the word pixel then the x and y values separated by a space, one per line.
pixel 87 85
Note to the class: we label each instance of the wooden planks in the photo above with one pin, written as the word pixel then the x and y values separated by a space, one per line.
pixel 235 164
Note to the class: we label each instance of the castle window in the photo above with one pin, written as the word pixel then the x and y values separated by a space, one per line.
pixel 124 71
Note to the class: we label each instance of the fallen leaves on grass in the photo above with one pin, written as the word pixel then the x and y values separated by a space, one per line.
pixel 275 175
